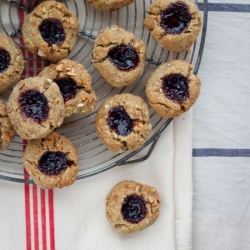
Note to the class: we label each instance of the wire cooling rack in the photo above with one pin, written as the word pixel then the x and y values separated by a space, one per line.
pixel 94 157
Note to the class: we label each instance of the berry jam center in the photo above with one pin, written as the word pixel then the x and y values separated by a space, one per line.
pixel 134 208
pixel 67 87
pixel 53 163
pixel 124 57
pixel 52 31
pixel 4 60
pixel 120 121
pixel 176 18
pixel 34 105
pixel 175 87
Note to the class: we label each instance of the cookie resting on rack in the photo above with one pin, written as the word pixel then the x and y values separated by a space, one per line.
pixel 123 122
pixel 118 57
pixel 132 206
pixel 75 84
pixel 172 88
pixel 11 62
pixel 174 24
pixel 35 107
pixel 50 30
pixel 7 131
pixel 52 162
pixel 109 5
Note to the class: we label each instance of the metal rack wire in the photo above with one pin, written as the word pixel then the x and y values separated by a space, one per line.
pixel 94 157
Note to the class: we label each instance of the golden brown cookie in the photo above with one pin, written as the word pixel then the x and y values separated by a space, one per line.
pixel 75 84
pixel 109 5
pixel 7 131
pixel 11 62
pixel 172 88
pixel 123 122
pixel 35 107
pixel 50 30
pixel 132 207
pixel 118 57
pixel 52 162
pixel 174 24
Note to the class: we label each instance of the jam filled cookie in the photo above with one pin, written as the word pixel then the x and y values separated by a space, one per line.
pixel 75 84
pixel 50 30
pixel 174 24
pixel 109 5
pixel 52 162
pixel 11 62
pixel 131 206
pixel 172 88
pixel 118 57
pixel 35 107
pixel 7 131
pixel 123 122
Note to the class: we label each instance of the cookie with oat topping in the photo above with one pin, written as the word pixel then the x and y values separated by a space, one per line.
pixel 35 107
pixel 174 24
pixel 172 88
pixel 132 206
pixel 118 57
pixel 109 5
pixel 52 162
pixel 50 30
pixel 7 131
pixel 123 122
pixel 11 62
pixel 75 85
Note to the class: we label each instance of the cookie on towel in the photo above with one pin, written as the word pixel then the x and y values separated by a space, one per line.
pixel 132 206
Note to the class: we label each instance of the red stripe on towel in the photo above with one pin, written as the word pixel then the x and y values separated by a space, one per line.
pixel 43 216
pixel 26 177
pixel 27 206
pixel 35 214
pixel 51 219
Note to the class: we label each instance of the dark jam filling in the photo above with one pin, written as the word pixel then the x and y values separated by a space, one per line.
pixel 175 19
pixel 134 208
pixel 53 163
pixel 124 57
pixel 34 105
pixel 67 87
pixel 175 87
pixel 120 121
pixel 52 31
pixel 4 60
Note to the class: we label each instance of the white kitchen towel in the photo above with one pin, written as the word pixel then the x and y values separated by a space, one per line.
pixel 183 188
